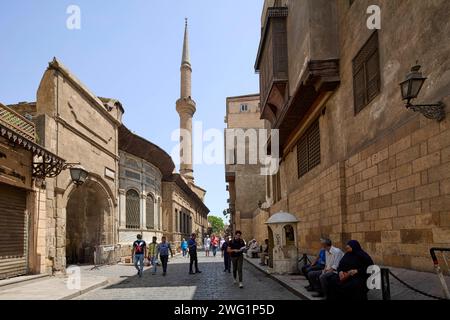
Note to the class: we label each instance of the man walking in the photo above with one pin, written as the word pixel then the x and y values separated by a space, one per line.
pixel 153 254
pixel 214 244
pixel 138 253
pixel 163 250
pixel 207 245
pixel 192 245
pixel 226 255
pixel 236 250
pixel 184 247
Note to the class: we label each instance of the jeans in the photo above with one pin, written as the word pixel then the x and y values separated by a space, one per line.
pixel 193 260
pixel 318 280
pixel 164 260
pixel 227 261
pixel 139 258
pixel 184 252
pixel 237 266
pixel 214 250
pixel 154 264
pixel 308 268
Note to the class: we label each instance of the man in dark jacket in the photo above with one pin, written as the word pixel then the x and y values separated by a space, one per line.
pixel 236 250
pixel 192 245
pixel 226 255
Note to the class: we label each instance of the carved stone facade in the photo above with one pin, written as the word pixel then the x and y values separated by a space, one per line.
pixel 142 178
pixel 78 126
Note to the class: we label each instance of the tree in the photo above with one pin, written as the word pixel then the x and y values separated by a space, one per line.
pixel 217 224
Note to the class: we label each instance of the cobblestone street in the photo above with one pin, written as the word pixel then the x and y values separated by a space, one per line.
pixel 211 284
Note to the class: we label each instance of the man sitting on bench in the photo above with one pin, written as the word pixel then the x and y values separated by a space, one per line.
pixel 253 249
pixel 264 252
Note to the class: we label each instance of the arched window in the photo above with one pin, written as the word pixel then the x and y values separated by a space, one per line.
pixel 150 214
pixel 133 209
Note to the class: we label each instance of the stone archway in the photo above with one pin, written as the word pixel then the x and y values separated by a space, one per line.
pixel 88 222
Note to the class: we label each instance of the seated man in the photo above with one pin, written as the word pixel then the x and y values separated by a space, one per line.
pixel 264 252
pixel 253 248
pixel 318 263
pixel 319 279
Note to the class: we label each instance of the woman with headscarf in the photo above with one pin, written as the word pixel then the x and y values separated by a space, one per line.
pixel 351 279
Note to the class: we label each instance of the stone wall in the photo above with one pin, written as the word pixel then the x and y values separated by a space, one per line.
pixel 384 172
pixel 398 194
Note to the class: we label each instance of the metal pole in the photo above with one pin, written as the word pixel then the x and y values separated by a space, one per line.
pixel 438 270
pixel 385 284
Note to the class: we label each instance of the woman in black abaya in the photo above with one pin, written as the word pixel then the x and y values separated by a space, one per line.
pixel 351 280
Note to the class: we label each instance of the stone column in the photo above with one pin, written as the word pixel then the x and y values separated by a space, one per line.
pixel 143 211
pixel 122 209
pixel 159 214
pixel 60 232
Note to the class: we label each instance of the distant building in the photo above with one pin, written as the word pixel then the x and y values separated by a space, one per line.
pixel 246 184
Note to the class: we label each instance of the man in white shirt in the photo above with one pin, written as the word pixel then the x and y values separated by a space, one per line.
pixel 318 279
pixel 207 245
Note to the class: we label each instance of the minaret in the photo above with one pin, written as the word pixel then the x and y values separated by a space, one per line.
pixel 186 110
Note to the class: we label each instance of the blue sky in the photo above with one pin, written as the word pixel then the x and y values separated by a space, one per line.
pixel 131 50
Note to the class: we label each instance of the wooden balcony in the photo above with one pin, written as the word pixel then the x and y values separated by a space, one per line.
pixel 272 63
pixel 17 123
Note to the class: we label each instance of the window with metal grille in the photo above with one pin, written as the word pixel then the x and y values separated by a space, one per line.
pixel 366 74
pixel 150 212
pixel 133 209
pixel 308 150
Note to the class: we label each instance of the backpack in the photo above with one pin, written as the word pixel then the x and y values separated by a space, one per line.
pixel 164 249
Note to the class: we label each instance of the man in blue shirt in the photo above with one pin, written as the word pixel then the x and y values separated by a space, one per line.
pixel 164 249
pixel 317 265
pixel 192 245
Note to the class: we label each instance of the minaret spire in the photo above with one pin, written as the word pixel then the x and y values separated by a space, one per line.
pixel 186 109
pixel 186 58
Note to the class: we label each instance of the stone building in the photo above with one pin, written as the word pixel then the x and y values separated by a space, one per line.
pixel 184 212
pixel 21 194
pixel 130 187
pixel 355 163
pixel 246 184
pixel 142 168
pixel 81 128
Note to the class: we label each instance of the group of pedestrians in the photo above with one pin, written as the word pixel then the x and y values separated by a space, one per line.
pixel 232 252
pixel 211 244
pixel 155 250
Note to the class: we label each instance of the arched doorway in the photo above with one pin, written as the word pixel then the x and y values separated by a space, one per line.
pixel 88 222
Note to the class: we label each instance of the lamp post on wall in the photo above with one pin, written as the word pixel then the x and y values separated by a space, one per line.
pixel 410 89
pixel 77 173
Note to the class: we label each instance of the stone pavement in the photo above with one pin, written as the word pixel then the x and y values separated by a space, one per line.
pixel 424 281
pixel 47 288
pixel 211 284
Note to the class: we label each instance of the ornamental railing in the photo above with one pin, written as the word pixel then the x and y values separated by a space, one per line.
pixel 16 122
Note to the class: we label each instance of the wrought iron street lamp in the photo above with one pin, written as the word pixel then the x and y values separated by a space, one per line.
pixel 77 173
pixel 410 89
